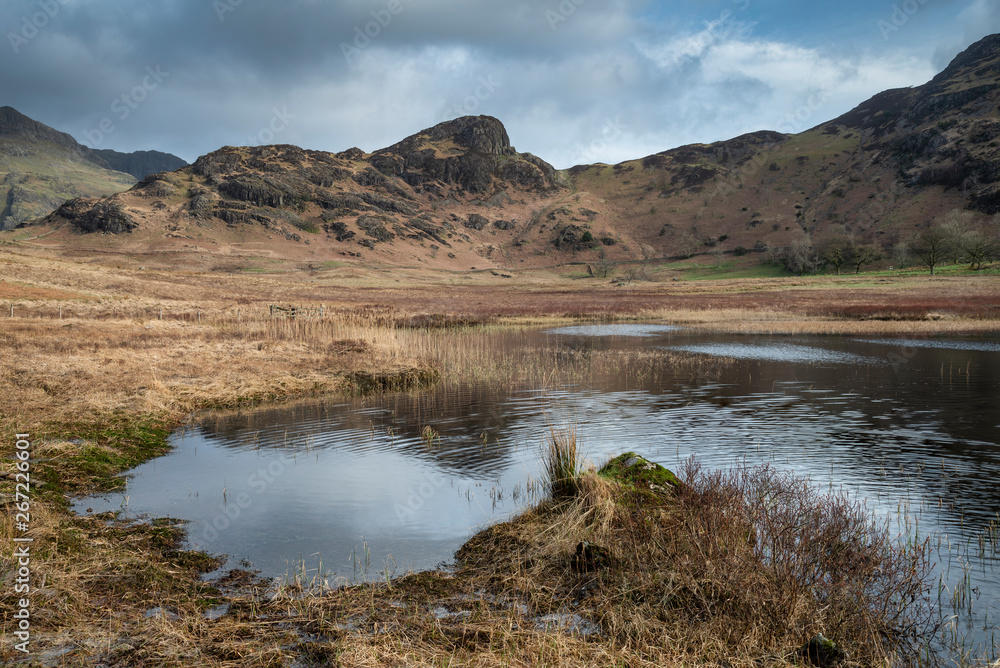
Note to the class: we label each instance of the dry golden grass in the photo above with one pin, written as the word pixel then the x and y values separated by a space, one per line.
pixel 70 370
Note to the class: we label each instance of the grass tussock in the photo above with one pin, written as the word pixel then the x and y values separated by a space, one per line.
pixel 561 463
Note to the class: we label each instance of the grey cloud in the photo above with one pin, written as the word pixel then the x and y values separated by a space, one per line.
pixel 233 63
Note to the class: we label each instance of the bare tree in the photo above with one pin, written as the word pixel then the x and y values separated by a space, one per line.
pixel 901 254
pixel 835 250
pixel 978 246
pixel 933 245
pixel 801 256
pixel 688 245
pixel 970 240
pixel 862 254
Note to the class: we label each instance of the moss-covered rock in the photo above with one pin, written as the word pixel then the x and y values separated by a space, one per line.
pixel 823 652
pixel 639 474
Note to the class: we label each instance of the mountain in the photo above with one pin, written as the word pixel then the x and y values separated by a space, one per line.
pixel 138 164
pixel 878 173
pixel 435 197
pixel 458 195
pixel 40 168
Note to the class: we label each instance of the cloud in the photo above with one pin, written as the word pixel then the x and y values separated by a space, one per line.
pixel 573 80
pixel 977 20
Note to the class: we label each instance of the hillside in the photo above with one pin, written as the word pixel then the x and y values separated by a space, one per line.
pixel 453 195
pixel 458 195
pixel 880 172
pixel 40 168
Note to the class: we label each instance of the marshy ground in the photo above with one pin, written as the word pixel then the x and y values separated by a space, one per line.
pixel 98 364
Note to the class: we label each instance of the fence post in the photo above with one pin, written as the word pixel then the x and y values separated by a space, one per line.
pixel 161 313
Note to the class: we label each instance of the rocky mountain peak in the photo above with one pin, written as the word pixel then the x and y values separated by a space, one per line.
pixel 484 134
pixel 14 124
pixel 975 61
pixel 481 134
pixel 472 151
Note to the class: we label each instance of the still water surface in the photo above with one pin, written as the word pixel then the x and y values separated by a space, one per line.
pixel 345 487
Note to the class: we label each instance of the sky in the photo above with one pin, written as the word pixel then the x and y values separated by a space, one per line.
pixel 573 81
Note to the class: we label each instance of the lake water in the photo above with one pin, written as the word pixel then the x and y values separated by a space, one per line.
pixel 362 488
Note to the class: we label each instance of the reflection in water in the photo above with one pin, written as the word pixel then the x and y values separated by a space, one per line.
pixel 614 329
pixel 947 344
pixel 888 420
pixel 776 351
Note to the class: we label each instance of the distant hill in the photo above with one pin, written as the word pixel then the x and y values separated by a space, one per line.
pixel 139 164
pixel 458 195
pixel 40 168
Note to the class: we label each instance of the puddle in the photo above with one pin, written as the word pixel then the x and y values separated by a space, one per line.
pixel 567 623
pixel 217 612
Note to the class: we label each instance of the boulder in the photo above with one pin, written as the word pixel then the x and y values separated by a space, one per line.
pixel 476 222
pixel 640 474
pixel 822 652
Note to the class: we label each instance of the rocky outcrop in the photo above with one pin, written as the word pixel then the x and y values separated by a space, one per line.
pixel 731 153
pixel 943 133
pixel 89 215
pixel 476 222
pixel 473 152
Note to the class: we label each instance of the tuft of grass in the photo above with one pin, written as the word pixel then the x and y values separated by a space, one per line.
pixel 428 435
pixel 562 463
